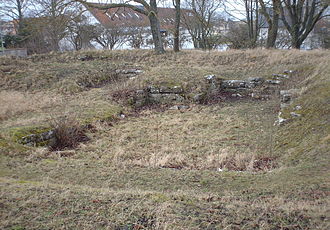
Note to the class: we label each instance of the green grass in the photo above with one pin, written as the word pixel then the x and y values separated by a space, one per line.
pixel 159 169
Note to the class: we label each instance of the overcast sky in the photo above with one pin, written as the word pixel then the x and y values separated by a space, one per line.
pixel 235 7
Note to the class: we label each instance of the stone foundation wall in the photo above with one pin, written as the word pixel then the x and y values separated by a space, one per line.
pixel 14 52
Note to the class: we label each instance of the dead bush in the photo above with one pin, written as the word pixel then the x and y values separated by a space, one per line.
pixel 68 133
pixel 246 162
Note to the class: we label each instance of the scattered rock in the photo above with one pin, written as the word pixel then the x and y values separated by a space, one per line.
pixel 294 114
pixel 129 71
pixel 199 98
pixel 86 58
pixel 260 96
pixel 280 120
pixel 233 84
pixel 288 95
pixel 289 71
pixel 253 82
pixel 210 78
pixel 273 82
pixel 280 76
pixel 179 107
pixel 285 98
pixel 46 138
pixel 236 95
pixel 256 79
pixel 140 98
pixel 152 89
pixel 214 84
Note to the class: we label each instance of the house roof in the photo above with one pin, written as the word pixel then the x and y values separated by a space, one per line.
pixel 8 27
pixel 126 17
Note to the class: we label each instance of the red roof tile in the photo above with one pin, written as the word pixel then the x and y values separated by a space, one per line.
pixel 126 17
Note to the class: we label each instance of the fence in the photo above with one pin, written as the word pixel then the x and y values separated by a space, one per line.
pixel 14 52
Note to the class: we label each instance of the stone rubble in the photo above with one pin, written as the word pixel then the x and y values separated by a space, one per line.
pixel 129 73
pixel 46 138
pixel 158 95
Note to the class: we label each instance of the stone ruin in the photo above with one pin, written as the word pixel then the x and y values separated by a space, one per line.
pixel 253 87
pixel 159 95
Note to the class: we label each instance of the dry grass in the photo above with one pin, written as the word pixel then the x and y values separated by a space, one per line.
pixel 38 109
pixel 201 138
pixel 63 207
pixel 15 103
pixel 127 177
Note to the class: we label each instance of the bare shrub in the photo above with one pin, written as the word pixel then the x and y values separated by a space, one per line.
pixel 68 133
pixel 246 162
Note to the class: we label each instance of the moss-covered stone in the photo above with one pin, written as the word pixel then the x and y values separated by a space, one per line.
pixel 19 132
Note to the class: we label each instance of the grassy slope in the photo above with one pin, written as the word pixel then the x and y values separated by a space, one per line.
pixel 120 179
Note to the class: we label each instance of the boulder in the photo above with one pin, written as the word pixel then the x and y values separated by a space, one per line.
pixel 199 98
pixel 153 89
pixel 129 71
pixel 140 98
pixel 179 107
pixel 287 95
pixel 253 82
pixel 289 71
pixel 233 84
pixel 214 83
pixel 294 114
pixel 280 120
pixel 280 76
pixel 46 138
pixel 273 82
pixel 259 80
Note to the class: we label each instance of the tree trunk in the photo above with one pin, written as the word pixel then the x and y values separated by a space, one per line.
pixel 176 45
pixel 272 21
pixel 20 17
pixel 272 30
pixel 301 18
pixel 296 43
pixel 155 28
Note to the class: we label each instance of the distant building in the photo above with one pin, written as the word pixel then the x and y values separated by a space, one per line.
pixel 129 21
pixel 8 27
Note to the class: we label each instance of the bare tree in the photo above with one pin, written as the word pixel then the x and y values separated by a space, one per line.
pixel 57 15
pixel 148 9
pixel 252 20
pixel 246 11
pixel 14 9
pixel 176 42
pixel 35 32
pixel 201 24
pixel 80 32
pixel 237 36
pixel 271 11
pixel 135 37
pixel 300 17
pixel 109 37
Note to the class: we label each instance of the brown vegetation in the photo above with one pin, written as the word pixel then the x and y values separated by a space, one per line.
pixel 221 165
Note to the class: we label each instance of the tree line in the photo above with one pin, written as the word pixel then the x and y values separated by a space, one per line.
pixel 42 24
